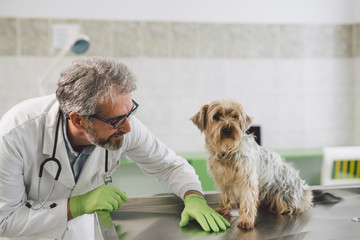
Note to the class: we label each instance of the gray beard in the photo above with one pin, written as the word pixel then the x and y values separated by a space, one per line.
pixel 105 143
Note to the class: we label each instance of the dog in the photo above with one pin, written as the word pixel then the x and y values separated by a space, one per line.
pixel 247 174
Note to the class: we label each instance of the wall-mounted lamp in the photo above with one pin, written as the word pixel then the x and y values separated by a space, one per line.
pixel 78 44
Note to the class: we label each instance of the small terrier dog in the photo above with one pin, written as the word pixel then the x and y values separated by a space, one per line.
pixel 246 173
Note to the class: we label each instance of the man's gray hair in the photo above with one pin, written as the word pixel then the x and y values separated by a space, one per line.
pixel 89 81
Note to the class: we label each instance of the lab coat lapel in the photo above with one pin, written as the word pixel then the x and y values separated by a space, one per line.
pixel 92 173
pixel 66 176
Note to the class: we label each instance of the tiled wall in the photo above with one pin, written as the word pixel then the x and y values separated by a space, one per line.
pixel 299 82
pixel 33 37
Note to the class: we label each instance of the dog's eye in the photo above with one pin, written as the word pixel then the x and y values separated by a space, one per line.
pixel 235 117
pixel 217 117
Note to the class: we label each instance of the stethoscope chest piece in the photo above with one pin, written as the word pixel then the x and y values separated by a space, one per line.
pixel 107 179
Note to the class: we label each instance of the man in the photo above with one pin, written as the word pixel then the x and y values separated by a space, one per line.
pixel 86 129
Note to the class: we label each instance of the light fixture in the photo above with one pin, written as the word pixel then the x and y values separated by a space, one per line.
pixel 78 44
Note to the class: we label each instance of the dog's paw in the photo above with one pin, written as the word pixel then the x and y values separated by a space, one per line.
pixel 246 225
pixel 223 211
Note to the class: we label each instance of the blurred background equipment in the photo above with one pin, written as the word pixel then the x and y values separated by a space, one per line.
pixel 341 165
pixel 67 39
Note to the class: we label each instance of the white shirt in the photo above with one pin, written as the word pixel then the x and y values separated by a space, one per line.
pixel 27 133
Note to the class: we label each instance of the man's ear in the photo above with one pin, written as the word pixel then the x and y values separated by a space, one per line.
pixel 77 120
pixel 199 119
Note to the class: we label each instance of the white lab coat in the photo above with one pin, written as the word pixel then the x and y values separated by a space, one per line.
pixel 27 134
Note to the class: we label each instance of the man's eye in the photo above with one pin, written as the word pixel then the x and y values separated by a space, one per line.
pixel 117 120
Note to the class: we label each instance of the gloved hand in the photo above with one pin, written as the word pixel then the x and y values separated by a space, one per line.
pixel 105 197
pixel 197 208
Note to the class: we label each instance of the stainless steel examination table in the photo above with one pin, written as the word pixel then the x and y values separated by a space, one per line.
pixel 158 217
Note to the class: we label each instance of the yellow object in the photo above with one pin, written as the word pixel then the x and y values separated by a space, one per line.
pixel 346 169
pixel 340 165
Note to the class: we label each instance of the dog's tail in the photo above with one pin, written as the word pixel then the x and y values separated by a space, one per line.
pixel 321 197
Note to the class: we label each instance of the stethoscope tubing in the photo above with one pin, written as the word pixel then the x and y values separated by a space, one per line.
pixel 107 179
pixel 54 159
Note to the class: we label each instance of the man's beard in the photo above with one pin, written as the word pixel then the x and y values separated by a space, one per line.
pixel 105 143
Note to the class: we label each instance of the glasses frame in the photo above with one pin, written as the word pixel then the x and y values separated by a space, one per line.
pixel 121 121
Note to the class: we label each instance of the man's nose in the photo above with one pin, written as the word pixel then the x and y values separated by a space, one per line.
pixel 125 127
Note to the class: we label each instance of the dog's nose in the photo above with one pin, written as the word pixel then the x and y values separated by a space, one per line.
pixel 226 132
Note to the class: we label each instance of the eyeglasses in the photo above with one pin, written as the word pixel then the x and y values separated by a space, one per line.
pixel 119 121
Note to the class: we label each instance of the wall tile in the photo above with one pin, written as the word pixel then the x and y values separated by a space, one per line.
pixel 250 41
pixel 187 40
pixel 329 76
pixel 8 37
pixel 301 41
pixel 155 39
pixel 212 40
pixel 356 40
pixel 126 39
pixel 184 40
pixel 356 107
pixel 100 36
pixel 290 42
pixel 343 41
pixel 290 118
pixel 318 41
pixel 35 37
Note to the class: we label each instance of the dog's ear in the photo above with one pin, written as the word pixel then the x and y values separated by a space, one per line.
pixel 245 122
pixel 199 119
pixel 248 122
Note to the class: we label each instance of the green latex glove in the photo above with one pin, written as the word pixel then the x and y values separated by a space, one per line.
pixel 106 198
pixel 197 208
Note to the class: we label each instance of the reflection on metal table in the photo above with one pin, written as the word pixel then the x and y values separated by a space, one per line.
pixel 158 217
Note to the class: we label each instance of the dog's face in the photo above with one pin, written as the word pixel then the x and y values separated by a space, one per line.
pixel 223 122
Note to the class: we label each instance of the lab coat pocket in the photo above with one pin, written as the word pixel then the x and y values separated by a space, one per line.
pixel 81 228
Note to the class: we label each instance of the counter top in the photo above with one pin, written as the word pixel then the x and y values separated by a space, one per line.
pixel 158 217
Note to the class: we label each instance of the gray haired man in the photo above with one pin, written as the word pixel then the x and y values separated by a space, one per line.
pixel 85 129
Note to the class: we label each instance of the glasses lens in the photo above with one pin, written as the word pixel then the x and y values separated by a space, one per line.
pixel 121 121
pixel 132 112
pixel 118 124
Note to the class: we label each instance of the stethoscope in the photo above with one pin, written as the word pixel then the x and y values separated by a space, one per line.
pixel 107 177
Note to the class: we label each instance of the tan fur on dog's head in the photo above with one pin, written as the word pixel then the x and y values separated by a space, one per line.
pixel 223 122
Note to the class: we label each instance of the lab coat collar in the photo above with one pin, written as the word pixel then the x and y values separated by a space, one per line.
pixel 91 175
pixel 66 177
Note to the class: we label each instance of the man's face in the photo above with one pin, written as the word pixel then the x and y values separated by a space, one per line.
pixel 103 134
